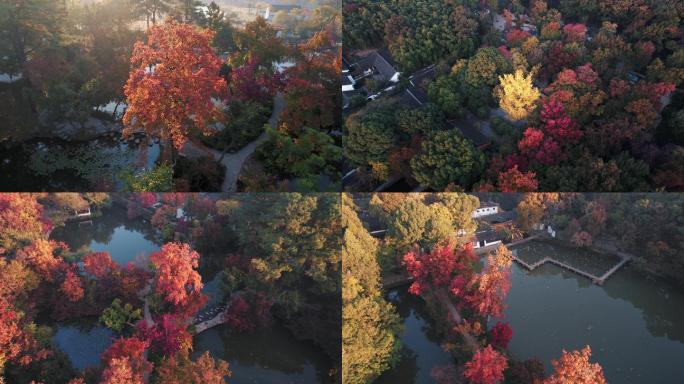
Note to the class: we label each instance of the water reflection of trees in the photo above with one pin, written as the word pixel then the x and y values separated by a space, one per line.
pixel 407 369
pixel 270 349
pixel 660 303
pixel 79 236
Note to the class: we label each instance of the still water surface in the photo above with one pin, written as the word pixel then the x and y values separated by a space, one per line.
pixel 634 323
pixel 267 355
pixel 126 240
pixel 83 344
pixel 58 165
pixel 421 350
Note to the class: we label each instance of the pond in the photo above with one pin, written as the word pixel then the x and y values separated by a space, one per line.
pixel 634 323
pixel 421 350
pixel 270 355
pixel 83 345
pixel 58 165
pixel 126 240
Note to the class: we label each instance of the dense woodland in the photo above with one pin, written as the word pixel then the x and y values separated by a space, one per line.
pixel 67 60
pixel 280 260
pixel 569 93
pixel 649 226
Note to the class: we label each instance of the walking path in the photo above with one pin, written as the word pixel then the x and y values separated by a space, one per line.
pixel 233 162
pixel 393 281
pixel 209 319
pixel 442 296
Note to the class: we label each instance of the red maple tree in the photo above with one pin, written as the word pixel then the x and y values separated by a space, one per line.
pixel 488 290
pixel 513 180
pixel 146 199
pixel 236 316
pixel 500 335
pixel 516 37
pixel 176 199
pixel 539 148
pixel 174 77
pixel 99 264
pixel 168 335
pixel 575 32
pixel 251 82
pixel 71 286
pixel 486 367
pixel 444 265
pixel 558 124
pixel 125 362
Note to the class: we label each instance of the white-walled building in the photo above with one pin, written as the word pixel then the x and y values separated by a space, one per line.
pixel 485 239
pixel 486 208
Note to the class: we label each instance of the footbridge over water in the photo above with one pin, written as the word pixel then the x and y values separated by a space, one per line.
pixel 599 280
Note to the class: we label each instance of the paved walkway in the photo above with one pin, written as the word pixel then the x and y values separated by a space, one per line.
pixel 234 161
pixel 443 297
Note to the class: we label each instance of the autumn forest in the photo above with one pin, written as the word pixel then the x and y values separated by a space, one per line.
pixel 341 191
pixel 329 288
pixel 514 95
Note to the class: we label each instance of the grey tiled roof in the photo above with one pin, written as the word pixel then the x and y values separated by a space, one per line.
pixel 487 236
pixel 377 62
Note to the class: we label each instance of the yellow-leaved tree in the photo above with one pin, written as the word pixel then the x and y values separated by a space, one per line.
pixel 370 324
pixel 517 96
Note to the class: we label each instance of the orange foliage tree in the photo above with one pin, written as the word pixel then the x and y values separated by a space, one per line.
pixel 574 368
pixel 16 280
pixel 176 278
pixel 491 287
pixel 41 257
pixel 179 369
pixel 170 88
pixel 513 180
pixel 21 220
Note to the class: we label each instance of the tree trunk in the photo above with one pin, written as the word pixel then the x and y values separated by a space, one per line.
pixel 115 108
pixel 19 47
pixel 167 152
pixel 223 154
